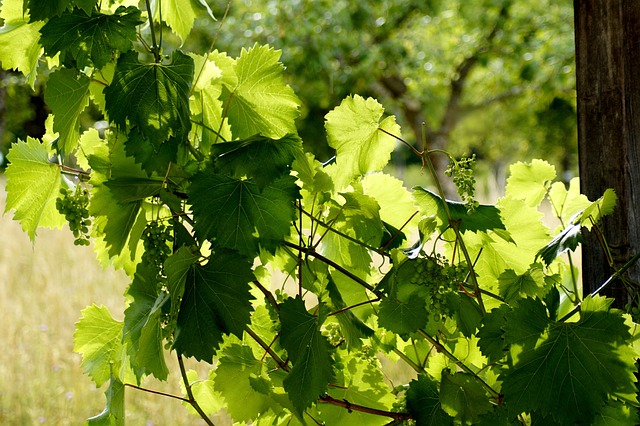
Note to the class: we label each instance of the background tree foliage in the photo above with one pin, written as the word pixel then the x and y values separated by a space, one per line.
pixel 491 77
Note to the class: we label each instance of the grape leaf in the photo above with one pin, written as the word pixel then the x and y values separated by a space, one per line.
pixel 567 202
pixel 403 317
pixel 152 157
pixel 44 9
pixel 568 239
pixel 142 323
pixel 177 267
pixel 468 316
pixel 395 201
pixel 130 189
pixel 260 102
pixel 90 39
pixel 360 136
pixel 491 333
pixel 261 159
pixel 180 14
pixel 155 97
pixel 515 286
pixel 573 367
pixel 236 371
pixel 484 217
pixel 33 184
pixel 203 392
pixel 67 94
pixel 463 397
pixel 530 181
pixel 308 350
pixel 423 402
pixel 603 206
pixel 615 413
pixel 113 413
pixel 216 301
pixel 19 40
pixel 229 211
pixel 97 339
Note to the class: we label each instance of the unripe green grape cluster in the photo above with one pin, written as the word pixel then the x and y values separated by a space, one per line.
pixel 73 205
pixel 155 237
pixel 440 279
pixel 461 172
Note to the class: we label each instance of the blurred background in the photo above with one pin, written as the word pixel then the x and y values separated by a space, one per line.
pixel 494 78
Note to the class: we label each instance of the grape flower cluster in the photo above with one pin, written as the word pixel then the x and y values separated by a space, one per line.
pixel 73 205
pixel 440 279
pixel 461 172
pixel 155 237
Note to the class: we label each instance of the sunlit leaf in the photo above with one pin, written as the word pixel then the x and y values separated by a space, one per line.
pixel 33 184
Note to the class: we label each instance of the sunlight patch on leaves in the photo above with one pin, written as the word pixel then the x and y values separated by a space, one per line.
pixel 530 181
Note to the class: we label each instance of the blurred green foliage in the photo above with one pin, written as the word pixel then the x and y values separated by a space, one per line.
pixel 490 77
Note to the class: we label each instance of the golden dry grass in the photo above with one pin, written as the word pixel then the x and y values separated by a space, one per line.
pixel 43 288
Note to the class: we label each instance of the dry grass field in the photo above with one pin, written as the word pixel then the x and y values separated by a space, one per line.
pixel 43 288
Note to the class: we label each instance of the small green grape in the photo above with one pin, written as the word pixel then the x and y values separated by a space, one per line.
pixel 73 205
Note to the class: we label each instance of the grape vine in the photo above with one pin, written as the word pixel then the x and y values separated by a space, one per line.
pixel 303 284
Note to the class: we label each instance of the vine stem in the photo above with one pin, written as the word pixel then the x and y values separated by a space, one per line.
pixel 310 251
pixel 154 48
pixel 327 399
pixel 441 348
pixel 192 400
pixel 614 276
pixel 155 392
pixel 267 348
pixel 455 226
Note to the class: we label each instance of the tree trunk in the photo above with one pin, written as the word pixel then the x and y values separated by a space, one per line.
pixel 608 89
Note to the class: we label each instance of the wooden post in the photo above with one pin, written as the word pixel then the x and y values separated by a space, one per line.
pixel 608 90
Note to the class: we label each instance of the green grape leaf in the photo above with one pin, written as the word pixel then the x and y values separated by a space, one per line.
pixel 463 397
pixel 514 286
pixel 567 202
pixel 19 40
pixel 260 102
pixel 177 267
pixel 113 219
pixel 423 402
pixel 203 392
pixel 353 329
pixel 90 39
pixel 395 201
pixel 98 339
pixel 130 189
pixel 468 316
pixel 615 413
pixel 44 9
pixel 403 317
pixel 113 413
pixel 360 136
pixel 155 97
pixel 491 334
pixel 484 217
pixel 152 157
pixel 142 322
pixel 229 211
pixel 530 181
pixel 216 302
pixel 258 158
pixel 361 383
pixel 237 372
pixel 67 94
pixel 181 14
pixel 33 184
pixel 568 239
pixel 308 350
pixel 570 369
pixel 86 5
pixel 603 206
